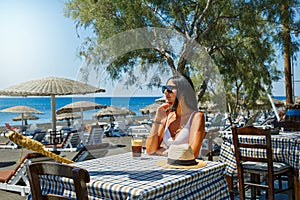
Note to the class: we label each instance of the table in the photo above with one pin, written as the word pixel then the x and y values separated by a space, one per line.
pixel 123 177
pixel 285 146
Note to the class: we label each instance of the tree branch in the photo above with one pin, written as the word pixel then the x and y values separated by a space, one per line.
pixel 204 13
pixel 181 18
pixel 168 58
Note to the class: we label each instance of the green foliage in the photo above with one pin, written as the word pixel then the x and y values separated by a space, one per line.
pixel 240 37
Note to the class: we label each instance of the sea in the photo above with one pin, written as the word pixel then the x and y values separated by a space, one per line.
pixel 43 104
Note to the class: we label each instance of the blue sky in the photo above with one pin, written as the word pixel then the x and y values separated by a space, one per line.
pixel 36 41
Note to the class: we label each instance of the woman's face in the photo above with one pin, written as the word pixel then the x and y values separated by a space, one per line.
pixel 170 92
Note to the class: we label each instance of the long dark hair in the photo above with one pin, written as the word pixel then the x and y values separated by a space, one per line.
pixel 186 88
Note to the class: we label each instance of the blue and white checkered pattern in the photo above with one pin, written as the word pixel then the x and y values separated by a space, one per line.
pixel 123 177
pixel 285 146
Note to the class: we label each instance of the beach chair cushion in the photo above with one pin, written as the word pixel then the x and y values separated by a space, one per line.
pixel 6 175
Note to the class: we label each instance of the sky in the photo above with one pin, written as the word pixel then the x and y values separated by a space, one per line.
pixel 37 40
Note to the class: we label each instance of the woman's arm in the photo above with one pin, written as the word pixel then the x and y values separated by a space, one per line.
pixel 197 132
pixel 155 136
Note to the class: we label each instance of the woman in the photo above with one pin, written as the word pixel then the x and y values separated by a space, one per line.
pixel 178 120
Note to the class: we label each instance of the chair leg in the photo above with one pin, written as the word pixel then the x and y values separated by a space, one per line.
pixel 253 189
pixel 291 186
pixel 296 184
pixel 230 186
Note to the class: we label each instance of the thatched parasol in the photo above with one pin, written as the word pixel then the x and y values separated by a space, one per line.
pixel 25 117
pixel 278 103
pixel 50 86
pixel 67 117
pixel 150 109
pixel 23 110
pixel 161 99
pixel 79 106
pixel 112 111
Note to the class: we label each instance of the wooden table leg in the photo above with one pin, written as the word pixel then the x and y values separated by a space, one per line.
pixel 230 186
pixel 296 184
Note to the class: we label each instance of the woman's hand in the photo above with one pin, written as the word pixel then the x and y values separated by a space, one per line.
pixel 162 112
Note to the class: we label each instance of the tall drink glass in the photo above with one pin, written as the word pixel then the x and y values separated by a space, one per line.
pixel 136 145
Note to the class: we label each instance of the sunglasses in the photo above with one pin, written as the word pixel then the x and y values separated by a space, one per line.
pixel 169 88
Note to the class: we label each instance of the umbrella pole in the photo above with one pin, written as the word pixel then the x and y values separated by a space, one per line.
pixel 53 108
pixel 22 122
pixel 81 110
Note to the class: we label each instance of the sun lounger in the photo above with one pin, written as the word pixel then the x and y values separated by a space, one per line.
pixel 16 179
pixel 95 136
pixel 91 152
pixel 65 145
pixel 8 145
pixel 40 137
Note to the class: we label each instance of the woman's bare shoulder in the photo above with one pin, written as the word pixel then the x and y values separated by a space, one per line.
pixel 199 114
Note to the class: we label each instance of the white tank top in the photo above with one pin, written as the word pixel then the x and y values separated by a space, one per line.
pixel 181 138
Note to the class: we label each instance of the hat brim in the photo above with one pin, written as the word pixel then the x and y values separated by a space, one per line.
pixel 164 164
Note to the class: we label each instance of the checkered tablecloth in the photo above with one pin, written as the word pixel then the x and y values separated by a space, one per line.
pixel 285 146
pixel 122 177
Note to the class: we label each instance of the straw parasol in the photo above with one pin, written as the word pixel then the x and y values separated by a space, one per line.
pixel 68 117
pixel 278 103
pixel 50 86
pixel 161 99
pixel 112 111
pixel 25 117
pixel 23 110
pixel 79 106
pixel 150 109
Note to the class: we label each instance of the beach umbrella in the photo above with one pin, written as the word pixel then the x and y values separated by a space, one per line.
pixel 67 117
pixel 112 111
pixel 278 103
pixel 25 117
pixel 79 106
pixel 50 86
pixel 151 109
pixel 161 99
pixel 23 110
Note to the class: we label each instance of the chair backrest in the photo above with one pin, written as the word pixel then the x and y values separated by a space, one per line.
pixel 91 152
pixel 256 148
pixel 66 140
pixel 39 136
pixel 75 139
pixel 96 135
pixel 80 178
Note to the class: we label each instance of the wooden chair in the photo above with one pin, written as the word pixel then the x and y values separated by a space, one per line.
pixel 257 167
pixel 80 178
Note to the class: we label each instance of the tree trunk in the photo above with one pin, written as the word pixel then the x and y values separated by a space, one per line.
pixel 287 55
